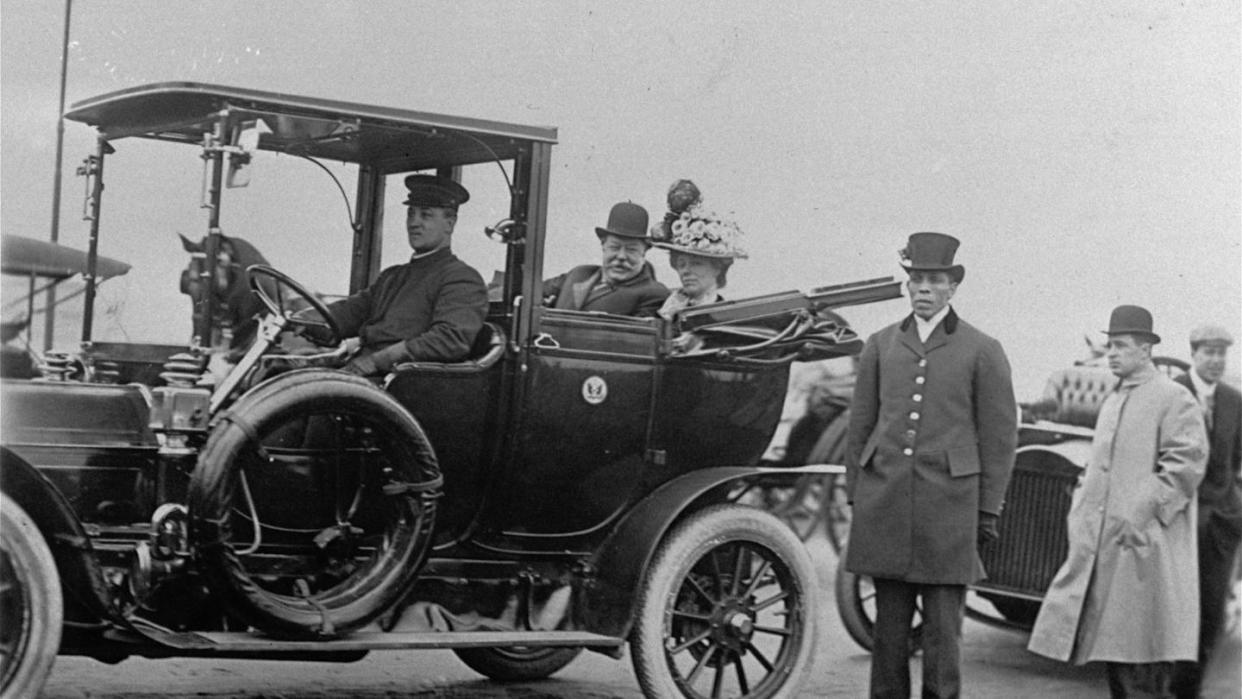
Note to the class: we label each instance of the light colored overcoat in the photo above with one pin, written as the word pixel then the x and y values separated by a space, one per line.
pixel 1128 591
pixel 933 429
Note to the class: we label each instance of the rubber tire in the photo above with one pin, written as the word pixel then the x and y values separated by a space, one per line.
pixel 681 549
pixel 847 589
pixel 37 632
pixel 516 663
pixel 214 482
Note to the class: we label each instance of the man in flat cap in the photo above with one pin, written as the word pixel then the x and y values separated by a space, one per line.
pixel 1220 501
pixel 427 309
pixel 932 436
pixel 1128 592
pixel 624 283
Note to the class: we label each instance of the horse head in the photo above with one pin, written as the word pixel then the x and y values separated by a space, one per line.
pixel 237 309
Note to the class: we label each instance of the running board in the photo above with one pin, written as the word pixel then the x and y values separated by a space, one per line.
pixel 244 642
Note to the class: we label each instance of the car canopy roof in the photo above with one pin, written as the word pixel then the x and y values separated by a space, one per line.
pixel 40 258
pixel 393 140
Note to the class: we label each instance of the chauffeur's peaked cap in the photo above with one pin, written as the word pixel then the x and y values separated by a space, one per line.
pixel 433 190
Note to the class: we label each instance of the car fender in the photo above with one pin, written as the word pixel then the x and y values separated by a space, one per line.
pixel 82 583
pixel 618 566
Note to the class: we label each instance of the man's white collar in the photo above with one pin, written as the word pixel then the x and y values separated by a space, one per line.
pixel 925 327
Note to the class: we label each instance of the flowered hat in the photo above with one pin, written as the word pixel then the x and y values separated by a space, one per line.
pixel 691 228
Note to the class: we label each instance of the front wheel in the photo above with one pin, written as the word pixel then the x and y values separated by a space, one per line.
pixel 517 663
pixel 30 604
pixel 726 609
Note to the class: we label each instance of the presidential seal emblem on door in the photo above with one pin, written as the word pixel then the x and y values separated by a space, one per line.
pixel 594 390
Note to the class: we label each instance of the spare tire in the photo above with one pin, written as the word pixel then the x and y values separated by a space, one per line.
pixel 312 505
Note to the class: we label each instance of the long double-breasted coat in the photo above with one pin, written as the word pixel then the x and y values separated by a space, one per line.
pixel 933 430
pixel 1128 591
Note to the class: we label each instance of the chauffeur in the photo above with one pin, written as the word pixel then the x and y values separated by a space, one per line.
pixel 427 309
pixel 931 445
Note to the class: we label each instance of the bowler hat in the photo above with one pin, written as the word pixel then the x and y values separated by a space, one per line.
pixel 626 220
pixel 433 190
pixel 932 252
pixel 1131 320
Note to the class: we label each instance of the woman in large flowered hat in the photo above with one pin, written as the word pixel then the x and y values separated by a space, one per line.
pixel 701 245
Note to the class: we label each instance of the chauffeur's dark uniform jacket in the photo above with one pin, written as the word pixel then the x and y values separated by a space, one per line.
pixel 580 289
pixel 933 431
pixel 434 304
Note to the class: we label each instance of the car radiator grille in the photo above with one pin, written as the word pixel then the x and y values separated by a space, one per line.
pixel 1033 541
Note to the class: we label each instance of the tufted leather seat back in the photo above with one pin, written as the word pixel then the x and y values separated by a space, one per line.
pixel 1078 393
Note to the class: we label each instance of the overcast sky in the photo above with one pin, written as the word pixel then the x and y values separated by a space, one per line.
pixel 1086 153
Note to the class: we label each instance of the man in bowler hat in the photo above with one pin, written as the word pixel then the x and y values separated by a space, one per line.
pixel 427 309
pixel 1128 592
pixel 1220 500
pixel 932 436
pixel 624 282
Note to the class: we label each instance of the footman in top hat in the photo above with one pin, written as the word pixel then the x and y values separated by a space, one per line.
pixel 624 283
pixel 427 309
pixel 1128 592
pixel 932 436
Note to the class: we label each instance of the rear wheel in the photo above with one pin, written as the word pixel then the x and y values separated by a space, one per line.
pixel 856 606
pixel 726 609
pixel 517 663
pixel 30 604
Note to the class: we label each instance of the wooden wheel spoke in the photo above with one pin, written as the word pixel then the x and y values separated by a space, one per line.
pixel 718 681
pixel 741 674
pixel 754 582
pixel 692 615
pixel 739 562
pixel 763 660
pixel 697 638
pixel 773 630
pixel 769 601
pixel 703 660
pixel 699 589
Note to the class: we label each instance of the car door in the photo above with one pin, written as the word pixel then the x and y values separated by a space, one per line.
pixel 580 454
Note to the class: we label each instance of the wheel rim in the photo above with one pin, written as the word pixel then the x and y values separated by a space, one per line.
pixel 15 610
pixel 735 624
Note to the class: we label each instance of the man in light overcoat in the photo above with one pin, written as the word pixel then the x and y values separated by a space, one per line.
pixel 1128 592
pixel 932 436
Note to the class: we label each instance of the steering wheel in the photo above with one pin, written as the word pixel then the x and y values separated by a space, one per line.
pixel 255 273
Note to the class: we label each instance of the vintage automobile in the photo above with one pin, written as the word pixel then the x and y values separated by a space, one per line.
pixel 1054 444
pixel 574 484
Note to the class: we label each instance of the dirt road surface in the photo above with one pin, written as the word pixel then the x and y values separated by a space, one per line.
pixel 995 664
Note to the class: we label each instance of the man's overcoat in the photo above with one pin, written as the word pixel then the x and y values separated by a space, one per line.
pixel 933 430
pixel 1128 591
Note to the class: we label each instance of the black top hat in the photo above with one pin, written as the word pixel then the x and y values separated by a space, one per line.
pixel 433 190
pixel 1131 320
pixel 932 252
pixel 626 220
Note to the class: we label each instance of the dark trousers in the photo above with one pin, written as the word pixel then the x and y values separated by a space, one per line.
pixel 1218 549
pixel 943 606
pixel 1140 680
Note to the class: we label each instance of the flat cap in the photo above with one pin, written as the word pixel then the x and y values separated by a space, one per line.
pixel 433 190
pixel 1210 333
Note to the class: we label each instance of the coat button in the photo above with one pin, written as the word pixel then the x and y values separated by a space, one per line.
pixel 914 415
pixel 919 380
pixel 918 397
pixel 907 451
pixel 922 362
